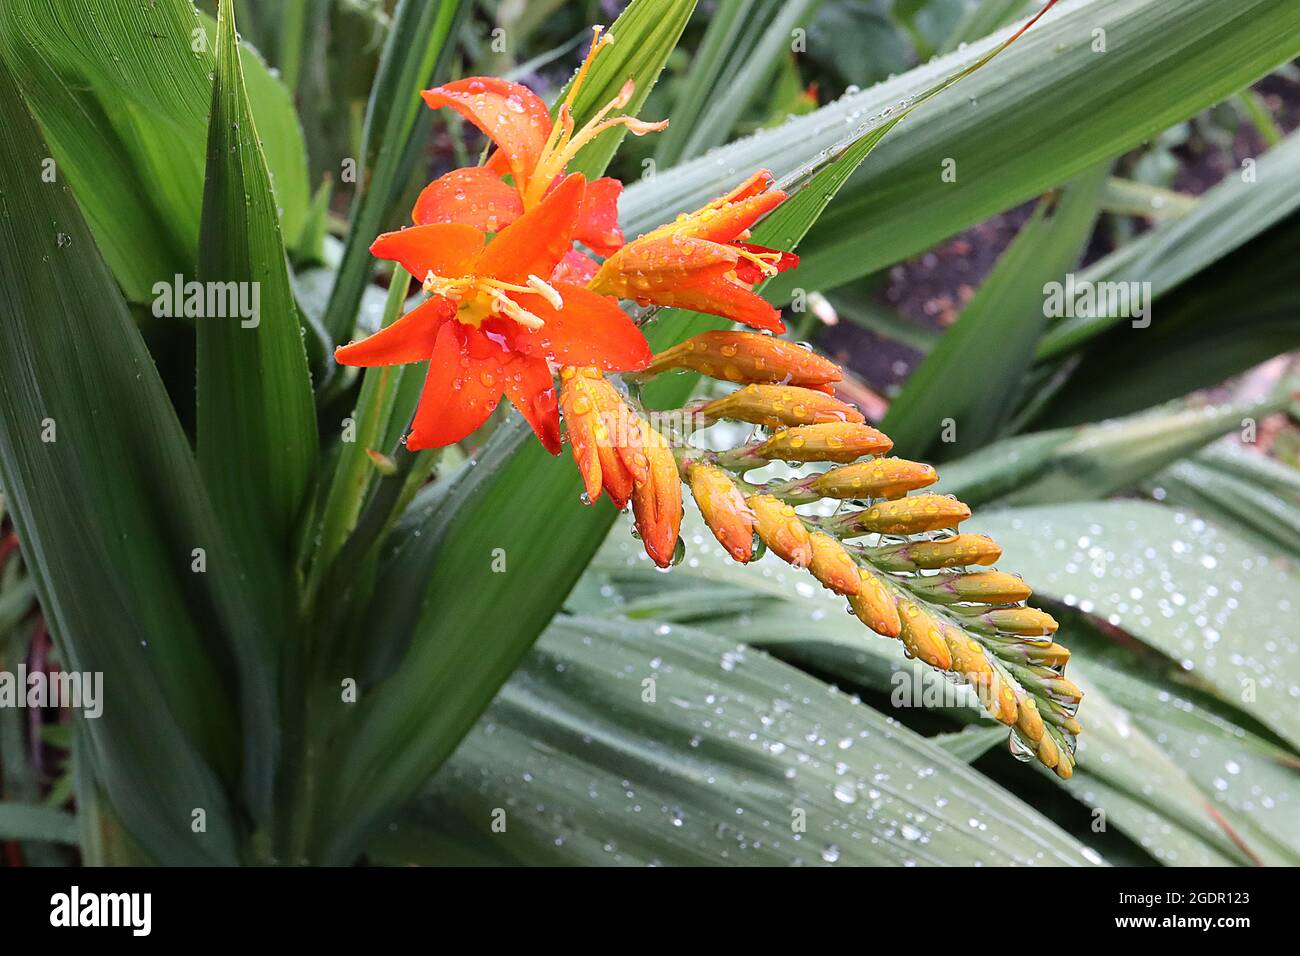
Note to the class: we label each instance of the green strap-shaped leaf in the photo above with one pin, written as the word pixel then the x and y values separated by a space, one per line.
pixel 722 765
pixel 416 52
pixel 23 821
pixel 972 377
pixel 122 92
pixel 133 571
pixel 256 417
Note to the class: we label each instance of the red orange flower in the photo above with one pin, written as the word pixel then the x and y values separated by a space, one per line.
pixel 492 323
pixel 700 261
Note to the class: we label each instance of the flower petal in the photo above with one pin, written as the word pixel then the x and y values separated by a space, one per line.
pixel 460 391
pixel 410 339
pixel 576 268
pixel 647 266
pixel 598 221
pixel 472 197
pixel 728 222
pixel 590 330
pixel 731 300
pixel 759 182
pixel 509 114
pixel 445 249
pixel 535 242
pixel 530 388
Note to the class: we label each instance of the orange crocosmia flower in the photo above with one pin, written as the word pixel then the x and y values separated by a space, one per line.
pixel 491 325
pixel 700 260
pixel 533 150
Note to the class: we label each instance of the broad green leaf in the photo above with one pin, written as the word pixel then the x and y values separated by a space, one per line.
pixel 728 35
pixel 1093 461
pixel 256 417
pixel 1181 585
pixel 415 54
pixel 982 17
pixel 1243 504
pixel 107 500
pixel 1249 784
pixel 24 821
pixel 972 743
pixel 969 379
pixel 1122 768
pixel 122 92
pixel 714 769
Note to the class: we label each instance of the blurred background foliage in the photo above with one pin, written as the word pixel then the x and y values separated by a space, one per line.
pixel 1145 481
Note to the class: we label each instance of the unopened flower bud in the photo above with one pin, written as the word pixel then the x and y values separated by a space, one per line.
pixel 921 636
pixel 875 607
pixel 958 551
pixel 747 357
pixel 657 501
pixel 778 405
pixel 831 441
pixel 1030 721
pixel 910 515
pixel 833 566
pixel 1025 621
pixel 724 509
pixel 781 529
pixel 983 587
pixel 604 433
pixel 880 478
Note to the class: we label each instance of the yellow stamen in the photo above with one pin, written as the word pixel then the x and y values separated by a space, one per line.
pixel 562 145
pixel 546 291
pixel 477 297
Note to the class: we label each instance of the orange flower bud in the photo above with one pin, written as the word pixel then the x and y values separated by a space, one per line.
pixel 904 516
pixel 777 405
pixel 747 357
pixel 984 587
pixel 781 529
pixel 1050 755
pixel 881 478
pixel 1025 621
pixel 875 606
pixel 604 433
pixel 724 509
pixel 657 501
pixel 831 441
pixel 1048 655
pixel 1064 691
pixel 833 566
pixel 921 636
pixel 971 662
pixel 1030 722
pixel 957 551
